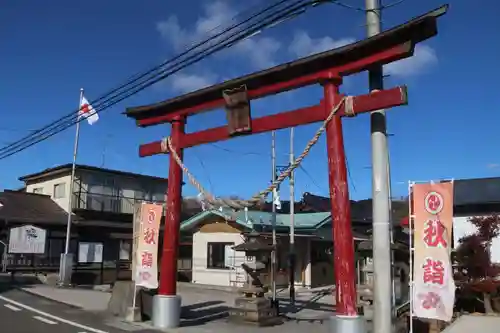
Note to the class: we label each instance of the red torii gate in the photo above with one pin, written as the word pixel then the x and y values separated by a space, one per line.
pixel 327 69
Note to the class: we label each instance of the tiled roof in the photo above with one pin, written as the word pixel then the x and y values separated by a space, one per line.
pixel 22 207
pixel 66 168
pixel 257 219
pixel 476 191
pixel 360 210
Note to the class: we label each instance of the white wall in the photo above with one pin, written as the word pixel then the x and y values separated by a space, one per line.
pixel 216 277
pixel 462 227
pixel 48 188
pixel 127 187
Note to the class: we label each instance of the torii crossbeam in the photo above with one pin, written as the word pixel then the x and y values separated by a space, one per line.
pixel 327 69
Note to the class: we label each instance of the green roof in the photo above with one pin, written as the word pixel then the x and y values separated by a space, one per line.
pixel 257 219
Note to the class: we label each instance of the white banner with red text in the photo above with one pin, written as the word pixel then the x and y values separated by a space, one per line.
pixel 433 283
pixel 146 255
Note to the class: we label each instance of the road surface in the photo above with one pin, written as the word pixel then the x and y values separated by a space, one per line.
pixel 21 312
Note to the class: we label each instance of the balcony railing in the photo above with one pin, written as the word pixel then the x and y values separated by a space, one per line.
pixel 105 203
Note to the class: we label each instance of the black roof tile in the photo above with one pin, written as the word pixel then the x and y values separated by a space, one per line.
pixel 22 207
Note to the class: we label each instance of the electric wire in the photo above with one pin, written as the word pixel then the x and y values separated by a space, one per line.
pixel 140 76
pixel 73 113
pixel 58 126
pixel 322 190
pixel 307 173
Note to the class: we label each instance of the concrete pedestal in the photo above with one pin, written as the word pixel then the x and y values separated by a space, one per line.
pixel 166 311
pixel 66 269
pixel 133 314
pixel 348 324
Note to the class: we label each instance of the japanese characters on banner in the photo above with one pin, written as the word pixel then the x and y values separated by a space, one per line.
pixel 146 255
pixel 433 287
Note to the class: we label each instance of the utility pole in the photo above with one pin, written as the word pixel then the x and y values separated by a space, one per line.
pixel 273 254
pixel 382 287
pixel 292 224
pixel 66 263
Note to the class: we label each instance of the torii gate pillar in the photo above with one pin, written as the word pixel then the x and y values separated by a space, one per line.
pixel 340 207
pixel 346 318
pixel 167 304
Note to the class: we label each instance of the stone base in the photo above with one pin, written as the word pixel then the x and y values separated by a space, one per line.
pixel 65 269
pixel 254 311
pixel 348 324
pixel 133 314
pixel 122 298
pixel 166 311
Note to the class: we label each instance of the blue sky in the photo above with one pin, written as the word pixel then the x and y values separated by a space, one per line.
pixel 50 50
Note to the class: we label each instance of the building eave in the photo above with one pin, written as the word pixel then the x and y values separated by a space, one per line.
pixel 66 169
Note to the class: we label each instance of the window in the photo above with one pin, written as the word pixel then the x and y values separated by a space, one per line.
pixel 38 190
pixel 59 190
pixel 220 255
pixel 158 197
pixel 125 249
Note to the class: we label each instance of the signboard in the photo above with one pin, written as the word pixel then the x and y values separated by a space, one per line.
pixel 90 252
pixel 434 287
pixel 146 255
pixel 27 239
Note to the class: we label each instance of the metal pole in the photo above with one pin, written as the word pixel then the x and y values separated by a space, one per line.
pixel 380 187
pixel 273 254
pixel 72 185
pixel 391 221
pixel 410 235
pixel 292 224
pixel 66 264
pixel 4 257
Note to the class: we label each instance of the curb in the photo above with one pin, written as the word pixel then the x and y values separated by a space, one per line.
pixel 76 307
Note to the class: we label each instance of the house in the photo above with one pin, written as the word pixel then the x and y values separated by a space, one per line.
pixel 215 232
pixel 102 212
pixel 360 210
pixel 96 189
pixel 21 208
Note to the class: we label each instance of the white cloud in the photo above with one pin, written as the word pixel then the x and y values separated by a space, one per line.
pixel 217 15
pixel 303 45
pixel 171 31
pixel 261 51
pixel 184 83
pixel 423 58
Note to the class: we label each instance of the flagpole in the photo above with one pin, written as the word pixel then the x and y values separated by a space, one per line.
pixel 273 222
pixel 292 223
pixel 66 261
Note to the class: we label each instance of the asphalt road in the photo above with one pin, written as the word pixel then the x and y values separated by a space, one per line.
pixel 21 312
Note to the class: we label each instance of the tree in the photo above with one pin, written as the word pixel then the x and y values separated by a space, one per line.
pixel 475 272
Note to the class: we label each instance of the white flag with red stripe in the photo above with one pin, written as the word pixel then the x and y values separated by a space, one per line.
pixel 87 112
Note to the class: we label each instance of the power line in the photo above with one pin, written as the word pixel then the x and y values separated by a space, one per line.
pixel 65 122
pixel 349 175
pixel 311 179
pixel 152 70
pixel 5 129
pixel 239 152
pixel 364 10
pixel 205 170
pixel 351 180
pixel 138 77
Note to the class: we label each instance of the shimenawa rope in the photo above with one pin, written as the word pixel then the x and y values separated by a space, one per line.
pixel 166 145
